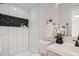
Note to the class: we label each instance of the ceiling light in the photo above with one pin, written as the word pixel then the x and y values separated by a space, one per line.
pixel 15 9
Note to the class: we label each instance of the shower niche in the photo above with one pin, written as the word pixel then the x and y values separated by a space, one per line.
pixel 6 20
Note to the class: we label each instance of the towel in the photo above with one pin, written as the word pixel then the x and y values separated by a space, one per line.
pixel 49 29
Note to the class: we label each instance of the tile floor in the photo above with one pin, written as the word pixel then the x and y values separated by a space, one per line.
pixel 27 53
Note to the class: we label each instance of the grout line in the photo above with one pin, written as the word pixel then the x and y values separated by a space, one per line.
pixel 8 32
pixel 29 32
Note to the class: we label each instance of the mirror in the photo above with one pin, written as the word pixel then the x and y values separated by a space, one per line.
pixel 69 16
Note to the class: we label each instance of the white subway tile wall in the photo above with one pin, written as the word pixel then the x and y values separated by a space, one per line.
pixel 14 39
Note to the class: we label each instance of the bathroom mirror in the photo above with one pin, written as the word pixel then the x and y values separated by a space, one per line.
pixel 69 16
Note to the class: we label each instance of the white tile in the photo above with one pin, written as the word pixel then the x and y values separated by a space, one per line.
pixel 3 30
pixel 25 47
pixel 5 53
pixel 12 41
pixel 24 53
pixel 12 30
pixel 19 48
pixel 25 39
pixel 12 45
pixel 4 44
pixel 19 40
pixel 12 51
pixel 3 37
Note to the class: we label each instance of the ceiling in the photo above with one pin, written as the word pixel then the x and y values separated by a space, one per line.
pixel 26 6
pixel 69 5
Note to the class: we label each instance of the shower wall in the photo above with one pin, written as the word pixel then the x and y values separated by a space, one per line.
pixel 47 11
pixel 34 30
pixel 13 39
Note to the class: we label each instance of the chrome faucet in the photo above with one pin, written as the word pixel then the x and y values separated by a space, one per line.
pixel 76 42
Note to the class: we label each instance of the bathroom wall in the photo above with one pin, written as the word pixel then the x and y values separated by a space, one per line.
pixel 65 15
pixel 13 39
pixel 47 11
pixel 75 21
pixel 34 30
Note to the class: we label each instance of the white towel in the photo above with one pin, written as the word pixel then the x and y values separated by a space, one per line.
pixel 49 29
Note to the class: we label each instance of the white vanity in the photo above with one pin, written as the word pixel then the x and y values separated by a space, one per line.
pixel 65 49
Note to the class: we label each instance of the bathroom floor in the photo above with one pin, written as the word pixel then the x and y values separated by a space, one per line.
pixel 27 53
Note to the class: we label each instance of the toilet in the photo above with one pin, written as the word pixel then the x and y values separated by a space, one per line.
pixel 43 47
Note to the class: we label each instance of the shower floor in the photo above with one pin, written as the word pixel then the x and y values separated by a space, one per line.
pixel 27 53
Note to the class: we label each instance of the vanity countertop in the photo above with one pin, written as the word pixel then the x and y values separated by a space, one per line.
pixel 64 49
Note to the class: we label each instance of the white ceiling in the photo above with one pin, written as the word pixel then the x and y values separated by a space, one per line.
pixel 26 6
pixel 69 5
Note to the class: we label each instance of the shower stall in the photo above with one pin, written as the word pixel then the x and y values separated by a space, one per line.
pixel 17 27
